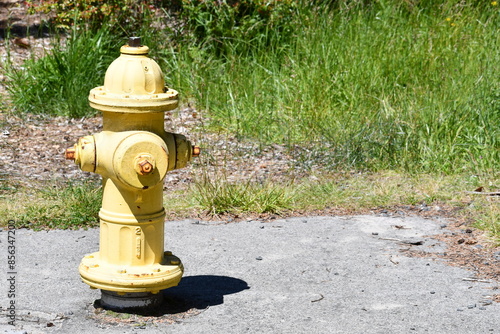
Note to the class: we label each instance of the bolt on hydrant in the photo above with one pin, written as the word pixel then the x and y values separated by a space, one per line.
pixel 132 154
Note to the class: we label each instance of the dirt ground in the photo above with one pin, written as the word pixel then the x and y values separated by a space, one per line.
pixel 32 153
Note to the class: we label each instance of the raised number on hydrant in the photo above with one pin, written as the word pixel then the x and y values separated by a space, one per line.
pixel 133 153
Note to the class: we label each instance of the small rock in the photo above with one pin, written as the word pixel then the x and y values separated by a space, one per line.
pixel 374 233
pixel 433 292
pixel 459 309
pixel 413 242
pixel 259 258
pixel 443 226
pixel 460 241
pixel 482 308
pixel 468 230
pixel 471 306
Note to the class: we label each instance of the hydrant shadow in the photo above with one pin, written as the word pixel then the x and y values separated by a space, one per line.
pixel 193 293
pixel 200 292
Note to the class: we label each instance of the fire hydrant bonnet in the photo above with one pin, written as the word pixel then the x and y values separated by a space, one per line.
pixel 134 84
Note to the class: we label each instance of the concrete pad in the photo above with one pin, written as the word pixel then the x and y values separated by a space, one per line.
pixel 297 275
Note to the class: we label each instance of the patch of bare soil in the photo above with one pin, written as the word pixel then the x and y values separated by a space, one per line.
pixel 471 249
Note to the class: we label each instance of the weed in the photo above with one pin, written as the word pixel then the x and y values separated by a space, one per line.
pixel 58 83
pixel 217 196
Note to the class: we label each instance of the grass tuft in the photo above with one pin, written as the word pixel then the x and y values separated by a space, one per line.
pixel 68 206
pixel 218 196
pixel 59 82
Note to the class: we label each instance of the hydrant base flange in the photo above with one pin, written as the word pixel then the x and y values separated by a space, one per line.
pixel 129 302
pixel 129 279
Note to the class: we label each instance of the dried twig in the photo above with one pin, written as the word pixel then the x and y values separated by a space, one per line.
pixel 472 279
pixel 494 193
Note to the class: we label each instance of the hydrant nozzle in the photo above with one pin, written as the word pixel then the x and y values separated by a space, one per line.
pixel 133 153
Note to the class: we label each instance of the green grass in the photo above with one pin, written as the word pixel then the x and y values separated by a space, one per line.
pixel 63 206
pixel 59 82
pixel 373 89
pixel 215 195
pixel 352 193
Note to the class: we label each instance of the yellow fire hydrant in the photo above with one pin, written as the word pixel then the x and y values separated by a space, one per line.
pixel 132 154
